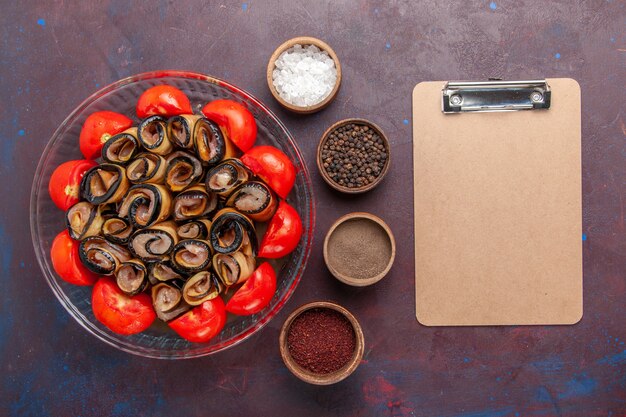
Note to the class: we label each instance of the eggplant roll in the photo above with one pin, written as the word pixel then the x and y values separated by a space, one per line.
pixel 232 231
pixel 147 168
pixel 183 170
pixel 168 301
pixel 146 204
pixel 180 130
pixel 117 230
pixel 191 255
pixel 194 202
pixel 84 219
pixel 210 143
pixel 152 134
pixel 101 256
pixel 121 148
pixel 225 177
pixel 161 271
pixel 203 286
pixel 255 200
pixel 233 268
pixel 194 229
pixel 131 277
pixel 154 243
pixel 103 184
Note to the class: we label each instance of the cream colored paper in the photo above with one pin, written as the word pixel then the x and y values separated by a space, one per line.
pixel 498 217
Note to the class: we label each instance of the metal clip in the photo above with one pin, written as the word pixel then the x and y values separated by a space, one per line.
pixel 489 96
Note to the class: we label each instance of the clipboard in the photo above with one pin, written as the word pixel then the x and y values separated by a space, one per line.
pixel 498 206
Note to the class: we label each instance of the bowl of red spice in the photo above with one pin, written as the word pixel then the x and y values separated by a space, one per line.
pixel 321 343
pixel 353 155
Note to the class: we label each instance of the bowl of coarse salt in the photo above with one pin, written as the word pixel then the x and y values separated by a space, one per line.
pixel 304 74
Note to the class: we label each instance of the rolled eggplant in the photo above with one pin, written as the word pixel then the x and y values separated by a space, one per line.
pixel 154 243
pixel 161 272
pixel 131 277
pixel 191 255
pixel 109 210
pixel 146 204
pixel 84 219
pixel 203 286
pixel 152 134
pixel 210 143
pixel 121 148
pixel 225 177
pixel 254 199
pixel 104 184
pixel 194 202
pixel 233 268
pixel 117 230
pixel 147 168
pixel 180 130
pixel 194 229
pixel 183 170
pixel 168 302
pixel 101 256
pixel 232 231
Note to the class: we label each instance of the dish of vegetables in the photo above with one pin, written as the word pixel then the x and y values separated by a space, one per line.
pixel 179 221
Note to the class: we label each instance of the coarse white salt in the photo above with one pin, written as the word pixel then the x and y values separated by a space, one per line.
pixel 304 75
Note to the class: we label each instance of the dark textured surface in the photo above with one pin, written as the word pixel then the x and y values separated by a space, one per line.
pixel 56 53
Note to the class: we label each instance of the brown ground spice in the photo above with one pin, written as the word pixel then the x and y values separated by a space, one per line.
pixel 321 340
pixel 359 248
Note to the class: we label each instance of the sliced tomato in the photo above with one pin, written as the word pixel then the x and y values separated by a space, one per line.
pixel 163 100
pixel 273 167
pixel 98 128
pixel 66 263
pixel 256 293
pixel 236 119
pixel 119 312
pixel 202 323
pixel 283 233
pixel 64 185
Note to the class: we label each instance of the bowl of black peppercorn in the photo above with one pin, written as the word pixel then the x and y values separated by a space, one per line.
pixel 353 155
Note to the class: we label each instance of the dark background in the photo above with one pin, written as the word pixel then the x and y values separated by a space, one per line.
pixel 56 53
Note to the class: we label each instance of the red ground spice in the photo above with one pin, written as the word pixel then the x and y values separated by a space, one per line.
pixel 321 340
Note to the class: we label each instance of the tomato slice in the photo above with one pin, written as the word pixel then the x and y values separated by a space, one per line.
pixel 98 128
pixel 163 100
pixel 201 323
pixel 64 185
pixel 255 294
pixel 283 233
pixel 119 312
pixel 236 119
pixel 67 264
pixel 273 167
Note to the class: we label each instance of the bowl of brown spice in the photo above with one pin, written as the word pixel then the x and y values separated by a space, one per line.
pixel 353 155
pixel 321 343
pixel 359 249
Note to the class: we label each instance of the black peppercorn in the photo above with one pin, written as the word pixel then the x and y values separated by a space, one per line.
pixel 353 155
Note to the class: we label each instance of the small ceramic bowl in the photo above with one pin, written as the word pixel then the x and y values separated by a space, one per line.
pixel 351 245
pixel 320 162
pixel 322 379
pixel 303 40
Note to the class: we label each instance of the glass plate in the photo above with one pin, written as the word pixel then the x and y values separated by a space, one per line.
pixel 47 220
